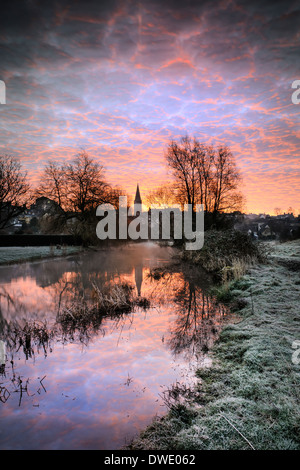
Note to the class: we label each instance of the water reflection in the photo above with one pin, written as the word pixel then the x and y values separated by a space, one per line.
pixel 197 323
pixel 103 376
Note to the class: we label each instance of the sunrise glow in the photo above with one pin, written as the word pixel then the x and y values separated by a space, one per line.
pixel 120 80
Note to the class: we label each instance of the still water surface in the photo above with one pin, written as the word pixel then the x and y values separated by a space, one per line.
pixel 96 388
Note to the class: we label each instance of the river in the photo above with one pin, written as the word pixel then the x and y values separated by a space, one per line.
pixel 97 387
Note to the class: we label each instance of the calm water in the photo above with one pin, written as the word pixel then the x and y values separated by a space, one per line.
pixel 97 387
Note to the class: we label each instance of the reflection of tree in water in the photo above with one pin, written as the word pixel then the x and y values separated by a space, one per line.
pixel 81 315
pixel 25 339
pixel 34 338
pixel 30 338
pixel 199 316
pixel 21 339
pixel 192 332
pixel 9 302
pixel 45 285
pixel 198 321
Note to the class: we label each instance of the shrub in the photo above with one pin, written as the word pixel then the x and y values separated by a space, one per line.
pixel 225 254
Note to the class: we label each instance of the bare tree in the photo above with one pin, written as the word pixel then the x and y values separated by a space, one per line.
pixel 113 194
pixel 14 189
pixel 86 185
pixel 182 159
pixel 53 184
pixel 226 179
pixel 205 166
pixel 77 187
pixel 205 175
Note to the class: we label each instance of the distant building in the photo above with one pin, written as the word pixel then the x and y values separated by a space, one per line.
pixel 137 201
pixel 138 275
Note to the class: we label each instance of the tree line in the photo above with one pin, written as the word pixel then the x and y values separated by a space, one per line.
pixel 201 174
pixel 75 188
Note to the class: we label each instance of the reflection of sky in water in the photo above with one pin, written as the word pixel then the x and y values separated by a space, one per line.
pixel 100 392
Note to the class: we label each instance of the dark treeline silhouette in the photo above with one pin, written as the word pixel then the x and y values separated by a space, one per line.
pixel 65 199
pixel 68 193
pixel 77 188
pixel 202 174
pixel 14 190
pixel 205 175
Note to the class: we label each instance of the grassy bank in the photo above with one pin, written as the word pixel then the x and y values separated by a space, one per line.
pixel 249 397
pixel 18 254
pixel 225 254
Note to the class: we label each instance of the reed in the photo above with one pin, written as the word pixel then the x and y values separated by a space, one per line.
pixel 109 300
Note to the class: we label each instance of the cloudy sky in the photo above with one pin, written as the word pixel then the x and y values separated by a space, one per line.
pixel 121 78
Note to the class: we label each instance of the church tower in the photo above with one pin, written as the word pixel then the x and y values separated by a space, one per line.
pixel 137 201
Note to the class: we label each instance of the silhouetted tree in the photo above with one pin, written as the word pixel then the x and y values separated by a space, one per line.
pixel 182 158
pixel 14 189
pixel 86 187
pixel 225 181
pixel 53 185
pixel 205 175
pixel 76 187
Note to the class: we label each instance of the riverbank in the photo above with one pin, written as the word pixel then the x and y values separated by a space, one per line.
pixel 249 397
pixel 19 254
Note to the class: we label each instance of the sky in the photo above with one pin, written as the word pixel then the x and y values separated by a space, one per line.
pixel 120 79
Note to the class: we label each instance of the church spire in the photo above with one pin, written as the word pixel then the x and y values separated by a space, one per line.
pixel 137 199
